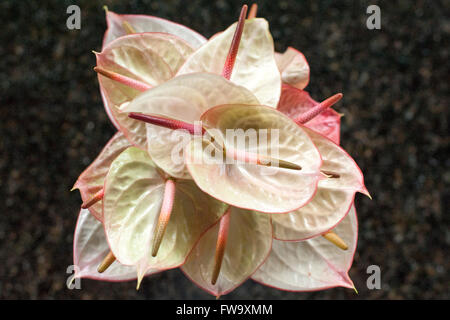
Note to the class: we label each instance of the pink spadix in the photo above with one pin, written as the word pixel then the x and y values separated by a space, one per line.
pixel 253 11
pixel 221 243
pixel 164 215
pixel 165 122
pixel 309 115
pixel 232 153
pixel 232 53
pixel 132 83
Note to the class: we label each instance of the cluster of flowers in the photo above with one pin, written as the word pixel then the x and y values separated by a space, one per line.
pixel 221 223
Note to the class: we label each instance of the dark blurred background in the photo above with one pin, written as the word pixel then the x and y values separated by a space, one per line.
pixel 395 84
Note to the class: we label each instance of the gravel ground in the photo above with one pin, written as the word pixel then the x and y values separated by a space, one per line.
pixel 395 85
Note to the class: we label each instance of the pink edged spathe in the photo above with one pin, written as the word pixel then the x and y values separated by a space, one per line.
pixel 92 179
pixel 90 248
pixel 333 199
pixel 248 245
pixel 314 264
pixel 145 23
pixel 151 58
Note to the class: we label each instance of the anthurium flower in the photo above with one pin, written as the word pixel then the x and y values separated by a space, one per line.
pixel 137 205
pixel 246 184
pixel 144 60
pixel 121 25
pixel 309 265
pixel 313 264
pixel 143 200
pixel 333 199
pixel 248 246
pixel 90 182
pixel 90 248
pixel 183 98
pixel 254 68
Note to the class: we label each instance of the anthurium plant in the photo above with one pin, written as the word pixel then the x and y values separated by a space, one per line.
pixel 172 188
